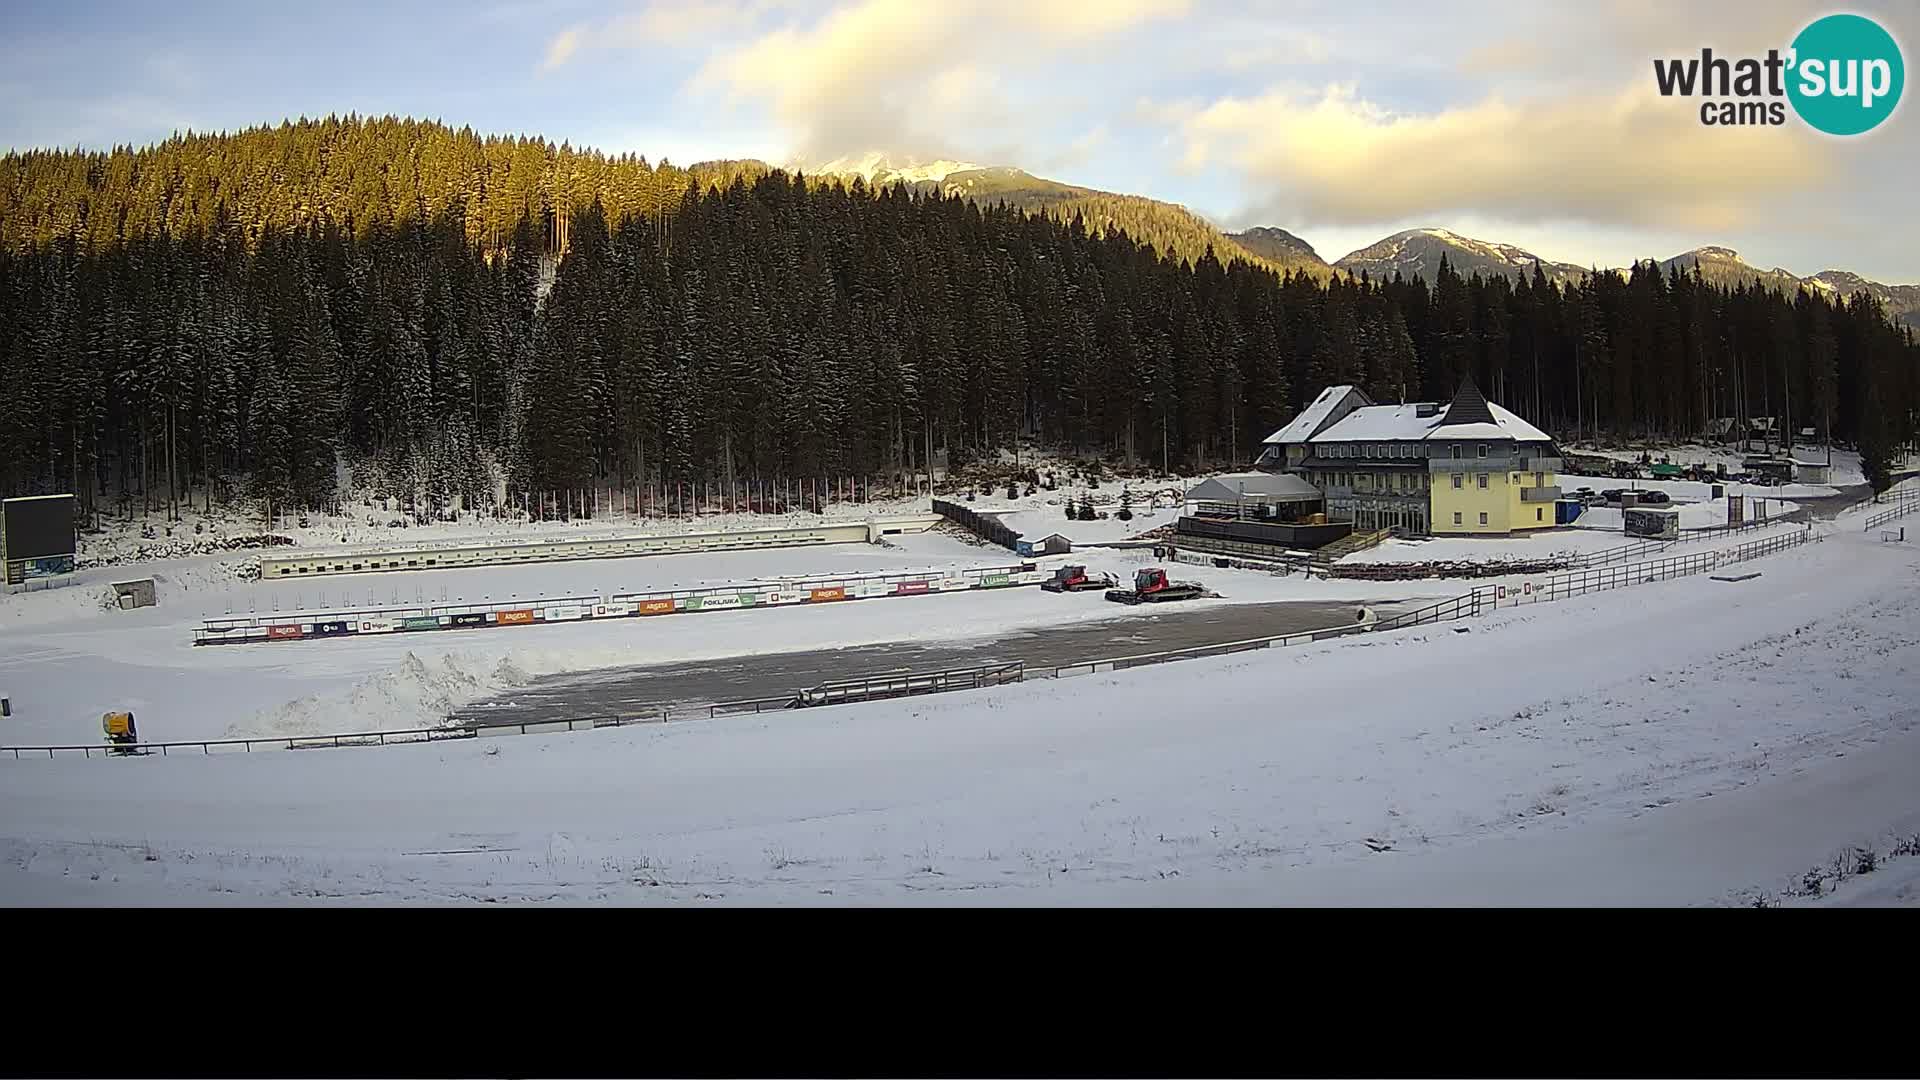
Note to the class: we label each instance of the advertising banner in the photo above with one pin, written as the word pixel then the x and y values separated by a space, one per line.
pixel 564 613
pixel 20 571
pixel 835 593
pixel 420 622
pixel 509 618
pixel 469 618
pixel 656 607
pixel 279 632
pixel 909 588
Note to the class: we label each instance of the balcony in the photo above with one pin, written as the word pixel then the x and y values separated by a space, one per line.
pixel 1541 464
pixel 1540 494
pixel 1502 463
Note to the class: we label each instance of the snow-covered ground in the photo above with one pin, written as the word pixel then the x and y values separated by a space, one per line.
pixel 121 541
pixel 1036 524
pixel 1693 515
pixel 1599 529
pixel 66 656
pixel 1550 544
pixel 1669 743
pixel 1694 491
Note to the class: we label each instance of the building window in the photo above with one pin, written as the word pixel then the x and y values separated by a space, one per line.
pixel 1456 517
pixel 1539 514
pixel 1483 517
pixel 1483 480
pixel 1453 451
pixel 1456 479
pixel 1483 449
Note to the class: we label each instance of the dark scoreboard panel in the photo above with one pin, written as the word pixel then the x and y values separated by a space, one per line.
pixel 40 527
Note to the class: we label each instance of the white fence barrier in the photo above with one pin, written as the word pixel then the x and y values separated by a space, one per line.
pixel 537 610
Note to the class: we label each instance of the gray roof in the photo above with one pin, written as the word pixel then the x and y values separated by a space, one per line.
pixel 1258 487
pixel 1314 416
pixel 1469 406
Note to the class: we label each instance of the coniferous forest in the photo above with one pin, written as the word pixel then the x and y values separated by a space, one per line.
pixel 245 312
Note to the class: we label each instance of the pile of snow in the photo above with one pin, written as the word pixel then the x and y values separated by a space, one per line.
pixel 416 694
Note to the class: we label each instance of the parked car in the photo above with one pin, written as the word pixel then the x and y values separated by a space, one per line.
pixel 1655 498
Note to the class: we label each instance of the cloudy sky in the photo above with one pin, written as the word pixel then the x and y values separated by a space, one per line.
pixel 1342 120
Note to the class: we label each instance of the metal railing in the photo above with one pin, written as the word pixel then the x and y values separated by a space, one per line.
pixel 910 684
pixel 1278 641
pixel 1464 606
pixel 280 742
pixel 1581 582
pixel 1897 503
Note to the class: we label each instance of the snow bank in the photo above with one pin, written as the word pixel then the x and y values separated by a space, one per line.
pixel 415 694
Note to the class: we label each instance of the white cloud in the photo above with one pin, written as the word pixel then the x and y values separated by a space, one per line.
pixel 562 47
pixel 909 76
pixel 1333 157
pixel 659 23
pixel 1281 48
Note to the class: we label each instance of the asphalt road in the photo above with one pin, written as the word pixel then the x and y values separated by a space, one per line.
pixel 739 678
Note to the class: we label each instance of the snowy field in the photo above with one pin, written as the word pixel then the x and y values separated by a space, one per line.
pixel 1685 742
pixel 66 656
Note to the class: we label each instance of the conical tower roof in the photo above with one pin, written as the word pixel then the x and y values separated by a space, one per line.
pixel 1469 406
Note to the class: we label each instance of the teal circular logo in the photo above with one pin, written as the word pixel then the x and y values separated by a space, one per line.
pixel 1846 74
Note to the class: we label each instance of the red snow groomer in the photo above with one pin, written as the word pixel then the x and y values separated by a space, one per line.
pixel 1076 579
pixel 1151 586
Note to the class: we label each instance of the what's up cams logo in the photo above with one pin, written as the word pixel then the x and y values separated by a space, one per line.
pixel 1843 75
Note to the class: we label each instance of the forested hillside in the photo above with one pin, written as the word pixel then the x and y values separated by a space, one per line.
pixel 249 307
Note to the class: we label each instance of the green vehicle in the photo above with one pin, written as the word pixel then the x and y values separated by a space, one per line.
pixel 1665 470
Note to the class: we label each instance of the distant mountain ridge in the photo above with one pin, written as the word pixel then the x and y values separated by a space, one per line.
pixel 1277 244
pixel 1417 252
pixel 1411 253
pixel 1169 227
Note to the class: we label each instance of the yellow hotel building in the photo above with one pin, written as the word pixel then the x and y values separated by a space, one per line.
pixel 1466 468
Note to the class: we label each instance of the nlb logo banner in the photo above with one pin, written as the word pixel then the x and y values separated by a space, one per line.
pixel 1842 74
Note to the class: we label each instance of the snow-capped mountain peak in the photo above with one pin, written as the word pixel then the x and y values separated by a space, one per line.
pixel 877 167
pixel 1417 252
